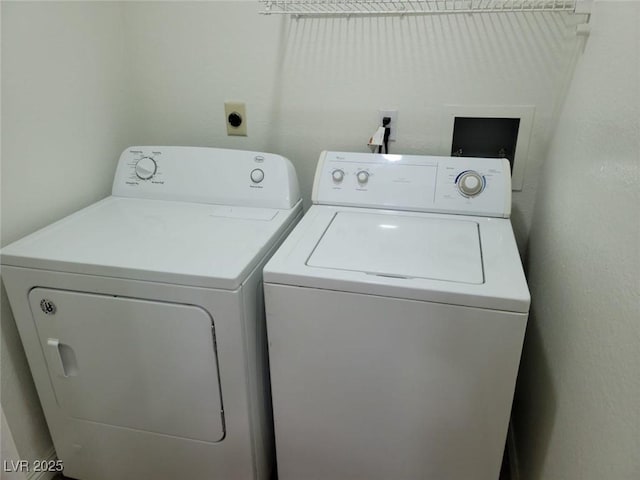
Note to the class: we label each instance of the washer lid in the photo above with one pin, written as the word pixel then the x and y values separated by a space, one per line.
pixel 401 246
pixel 432 257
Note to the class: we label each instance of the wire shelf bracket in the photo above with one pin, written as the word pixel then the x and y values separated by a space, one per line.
pixel 299 8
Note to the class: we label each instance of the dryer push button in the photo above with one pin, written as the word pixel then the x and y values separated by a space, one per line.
pixel 257 175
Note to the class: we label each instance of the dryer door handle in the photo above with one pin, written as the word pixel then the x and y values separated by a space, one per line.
pixel 62 358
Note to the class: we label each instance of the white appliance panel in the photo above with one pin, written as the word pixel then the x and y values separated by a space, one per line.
pixel 207 175
pixel 366 387
pixel 131 363
pixel 401 246
pixel 414 183
pixel 88 449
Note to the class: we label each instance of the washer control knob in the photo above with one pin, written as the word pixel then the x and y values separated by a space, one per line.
pixel 362 176
pixel 337 175
pixel 146 168
pixel 470 183
pixel 257 175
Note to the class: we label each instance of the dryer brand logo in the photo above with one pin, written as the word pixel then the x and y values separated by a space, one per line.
pixel 47 306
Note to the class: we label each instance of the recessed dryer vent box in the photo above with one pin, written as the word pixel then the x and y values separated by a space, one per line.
pixel 490 131
pixel 485 137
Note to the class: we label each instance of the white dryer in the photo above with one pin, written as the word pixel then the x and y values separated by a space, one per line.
pixel 396 312
pixel 142 316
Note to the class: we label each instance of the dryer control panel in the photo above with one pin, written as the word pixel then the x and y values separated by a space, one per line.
pixel 207 175
pixel 462 185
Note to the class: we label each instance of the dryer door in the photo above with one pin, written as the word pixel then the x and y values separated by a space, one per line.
pixel 131 363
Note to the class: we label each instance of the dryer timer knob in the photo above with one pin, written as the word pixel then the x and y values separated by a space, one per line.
pixel 146 168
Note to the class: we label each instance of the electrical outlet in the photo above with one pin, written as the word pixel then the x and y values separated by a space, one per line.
pixel 393 114
pixel 235 115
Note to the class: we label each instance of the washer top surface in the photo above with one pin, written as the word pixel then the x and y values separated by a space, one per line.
pixel 450 259
pixel 401 246
pixel 175 242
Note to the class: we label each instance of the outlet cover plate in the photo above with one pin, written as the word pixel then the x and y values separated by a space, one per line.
pixel 240 109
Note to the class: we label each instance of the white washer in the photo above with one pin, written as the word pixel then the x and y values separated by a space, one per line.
pixel 142 316
pixel 396 311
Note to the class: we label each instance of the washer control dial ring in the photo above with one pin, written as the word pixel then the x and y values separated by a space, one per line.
pixel 470 183
pixel 362 176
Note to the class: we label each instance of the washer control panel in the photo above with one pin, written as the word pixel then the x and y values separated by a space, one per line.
pixel 207 175
pixel 471 186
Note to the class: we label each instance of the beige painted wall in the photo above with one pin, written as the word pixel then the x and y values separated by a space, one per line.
pixel 64 123
pixel 577 414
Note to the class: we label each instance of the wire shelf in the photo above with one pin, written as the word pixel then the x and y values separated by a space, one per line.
pixel 411 7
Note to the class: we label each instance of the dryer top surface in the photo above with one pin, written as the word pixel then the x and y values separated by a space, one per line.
pixel 183 243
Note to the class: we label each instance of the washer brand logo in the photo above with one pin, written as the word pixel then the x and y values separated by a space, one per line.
pixel 47 306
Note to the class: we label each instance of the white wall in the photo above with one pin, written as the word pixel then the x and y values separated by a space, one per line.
pixel 64 123
pixel 80 80
pixel 8 451
pixel 577 414
pixel 317 83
